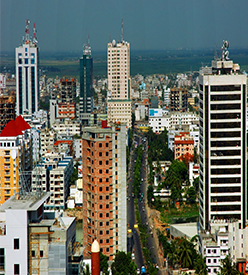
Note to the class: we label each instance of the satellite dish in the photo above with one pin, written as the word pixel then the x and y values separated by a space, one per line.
pixel 13 154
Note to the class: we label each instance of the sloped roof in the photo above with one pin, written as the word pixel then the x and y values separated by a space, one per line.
pixel 21 123
pixel 10 130
pixel 15 127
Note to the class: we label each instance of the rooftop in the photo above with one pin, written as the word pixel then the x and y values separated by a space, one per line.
pixel 31 202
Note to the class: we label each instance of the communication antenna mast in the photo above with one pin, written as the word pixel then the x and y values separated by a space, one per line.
pixel 122 30
pixel 35 41
pixel 88 42
pixel 27 31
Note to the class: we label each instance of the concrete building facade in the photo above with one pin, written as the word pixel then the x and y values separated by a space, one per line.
pixel 104 185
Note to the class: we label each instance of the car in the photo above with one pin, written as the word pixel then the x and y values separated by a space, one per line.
pixel 138 271
pixel 133 256
pixel 143 270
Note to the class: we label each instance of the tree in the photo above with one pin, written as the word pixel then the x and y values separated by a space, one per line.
pixel 123 264
pixel 86 270
pixel 191 194
pixel 228 268
pixel 185 253
pixel 200 265
pixel 150 195
pixel 104 264
pixel 74 176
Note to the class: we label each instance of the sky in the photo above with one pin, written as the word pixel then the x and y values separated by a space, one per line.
pixel 64 25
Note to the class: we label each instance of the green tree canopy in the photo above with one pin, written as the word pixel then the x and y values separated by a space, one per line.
pixel 123 264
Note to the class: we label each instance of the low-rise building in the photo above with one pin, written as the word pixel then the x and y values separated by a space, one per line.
pixel 35 242
pixel 184 144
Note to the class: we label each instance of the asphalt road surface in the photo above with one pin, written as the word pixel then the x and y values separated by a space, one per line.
pixel 134 244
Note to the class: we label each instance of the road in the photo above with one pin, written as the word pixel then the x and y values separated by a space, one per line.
pixel 134 244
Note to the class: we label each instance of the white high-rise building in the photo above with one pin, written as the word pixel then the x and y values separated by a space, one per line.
pixel 27 80
pixel 222 151
pixel 119 103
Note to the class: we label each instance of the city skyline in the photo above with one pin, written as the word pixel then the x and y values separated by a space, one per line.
pixel 63 26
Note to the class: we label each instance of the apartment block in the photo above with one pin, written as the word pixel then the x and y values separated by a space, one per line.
pixel 104 185
pixel 15 158
pixel 179 99
pixel 183 144
pixel 52 174
pixel 66 110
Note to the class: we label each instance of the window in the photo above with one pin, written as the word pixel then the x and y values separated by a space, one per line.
pixel 101 223
pixel 215 261
pixel 100 171
pixel 101 241
pixel 100 232
pixel 33 253
pixel 107 154
pixel 107 171
pixel 100 206
pixel 209 260
pixel 107 179
pixel 107 223
pixel 107 197
pixel 100 162
pixel 100 154
pixel 107 241
pixel 16 269
pixel 107 188
pixel 41 253
pixel 107 206
pixel 107 215
pixel 100 189
pixel 100 144
pixel 107 232
pixel 107 162
pixel 16 243
pixel 100 215
pixel 107 249
pixel 2 259
pixel 100 180
pixel 107 144
pixel 100 197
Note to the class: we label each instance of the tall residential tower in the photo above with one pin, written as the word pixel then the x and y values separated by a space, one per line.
pixel 27 76
pixel 222 181
pixel 119 103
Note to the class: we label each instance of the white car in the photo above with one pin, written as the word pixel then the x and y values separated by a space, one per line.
pixel 138 271
pixel 133 257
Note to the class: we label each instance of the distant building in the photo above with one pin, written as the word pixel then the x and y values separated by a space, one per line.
pixel 179 99
pixel 104 189
pixel 7 110
pixel 119 102
pixel 66 110
pixel 67 90
pixel 183 144
pixel 86 85
pixel 27 75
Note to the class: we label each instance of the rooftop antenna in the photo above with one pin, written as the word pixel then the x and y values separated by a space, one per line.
pixel 122 30
pixel 27 31
pixel 88 41
pixel 35 41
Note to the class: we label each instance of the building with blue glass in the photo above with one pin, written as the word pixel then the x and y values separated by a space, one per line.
pixel 86 85
pixel 27 75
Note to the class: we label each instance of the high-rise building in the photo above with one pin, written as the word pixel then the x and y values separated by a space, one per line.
pixel 104 185
pixel 86 85
pixel 222 151
pixel 27 75
pixel 119 103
